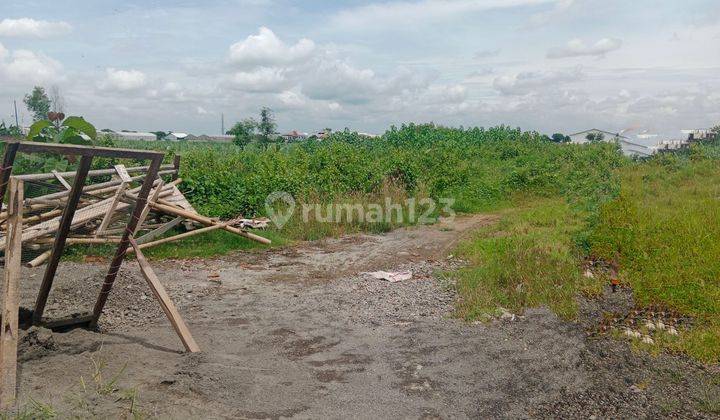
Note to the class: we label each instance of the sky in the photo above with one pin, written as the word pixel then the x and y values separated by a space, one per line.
pixel 545 65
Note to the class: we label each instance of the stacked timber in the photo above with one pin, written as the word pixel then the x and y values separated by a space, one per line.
pixel 104 208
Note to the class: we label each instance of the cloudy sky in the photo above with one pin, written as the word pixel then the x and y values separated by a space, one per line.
pixel 546 65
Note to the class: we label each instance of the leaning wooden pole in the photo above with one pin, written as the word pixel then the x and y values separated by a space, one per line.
pixel 140 204
pixel 66 221
pixel 165 302
pixel 11 297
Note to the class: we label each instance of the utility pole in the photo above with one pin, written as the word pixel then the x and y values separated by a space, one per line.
pixel 16 118
pixel 222 124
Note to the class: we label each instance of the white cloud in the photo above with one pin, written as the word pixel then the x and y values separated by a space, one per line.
pixel 412 12
pixel 31 28
pixel 338 80
pixel 577 47
pixel 264 79
pixel 123 80
pixel 486 53
pixel 266 49
pixel 532 81
pixel 201 111
pixel 27 67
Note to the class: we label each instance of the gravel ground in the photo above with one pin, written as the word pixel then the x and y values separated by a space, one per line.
pixel 300 332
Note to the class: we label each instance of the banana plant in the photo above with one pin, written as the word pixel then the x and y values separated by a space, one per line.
pixel 58 129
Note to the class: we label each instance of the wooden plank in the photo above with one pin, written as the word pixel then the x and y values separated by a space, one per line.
pixel 93 173
pixel 159 231
pixel 146 209
pixel 74 149
pixel 61 179
pixel 66 222
pixel 85 214
pixel 123 173
pixel 125 241
pixel 11 298
pixel 165 302
pixel 113 205
pixel 206 221
pixel 181 236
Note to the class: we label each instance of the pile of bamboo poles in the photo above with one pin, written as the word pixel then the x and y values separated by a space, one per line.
pixel 104 208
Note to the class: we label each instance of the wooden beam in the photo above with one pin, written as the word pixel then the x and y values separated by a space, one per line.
pixel 73 149
pixel 165 302
pixel 11 297
pixel 125 241
pixel 66 221
pixel 6 169
pixel 160 230
pixel 180 236
pixel 146 209
pixel 93 173
pixel 61 179
pixel 206 221
pixel 113 205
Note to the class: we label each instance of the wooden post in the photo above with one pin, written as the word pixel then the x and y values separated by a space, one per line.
pixel 11 298
pixel 176 165
pixel 125 241
pixel 165 302
pixel 6 169
pixel 59 245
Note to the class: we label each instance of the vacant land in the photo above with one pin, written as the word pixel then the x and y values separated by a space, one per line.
pixel 509 311
pixel 300 332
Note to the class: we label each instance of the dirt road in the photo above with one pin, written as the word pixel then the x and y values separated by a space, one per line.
pixel 300 332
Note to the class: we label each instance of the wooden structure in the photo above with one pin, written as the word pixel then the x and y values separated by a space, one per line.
pixel 77 205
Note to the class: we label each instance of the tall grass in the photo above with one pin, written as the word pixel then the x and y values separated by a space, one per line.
pixel 663 231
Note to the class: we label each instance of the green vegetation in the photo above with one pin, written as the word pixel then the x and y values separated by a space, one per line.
pixel 527 260
pixel 38 103
pixel 662 231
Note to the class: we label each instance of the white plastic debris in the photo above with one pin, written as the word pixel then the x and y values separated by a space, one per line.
pixel 391 276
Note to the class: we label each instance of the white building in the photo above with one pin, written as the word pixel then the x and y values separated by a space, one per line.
pixel 628 148
pixel 175 136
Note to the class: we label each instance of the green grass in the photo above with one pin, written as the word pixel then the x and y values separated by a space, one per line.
pixel 527 260
pixel 663 231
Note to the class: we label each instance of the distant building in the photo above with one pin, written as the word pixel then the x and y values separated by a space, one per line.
pixel 175 136
pixel 294 136
pixel 628 148
pixel 699 134
pixel 129 135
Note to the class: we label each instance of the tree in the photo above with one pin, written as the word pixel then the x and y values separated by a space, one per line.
pixel 159 135
pixel 560 138
pixel 595 137
pixel 244 131
pixel 267 126
pixel 72 130
pixel 57 101
pixel 38 103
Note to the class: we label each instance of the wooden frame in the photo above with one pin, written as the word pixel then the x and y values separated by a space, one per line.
pixel 13 146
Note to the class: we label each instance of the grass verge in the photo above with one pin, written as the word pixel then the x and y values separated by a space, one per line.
pixel 663 231
pixel 527 260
